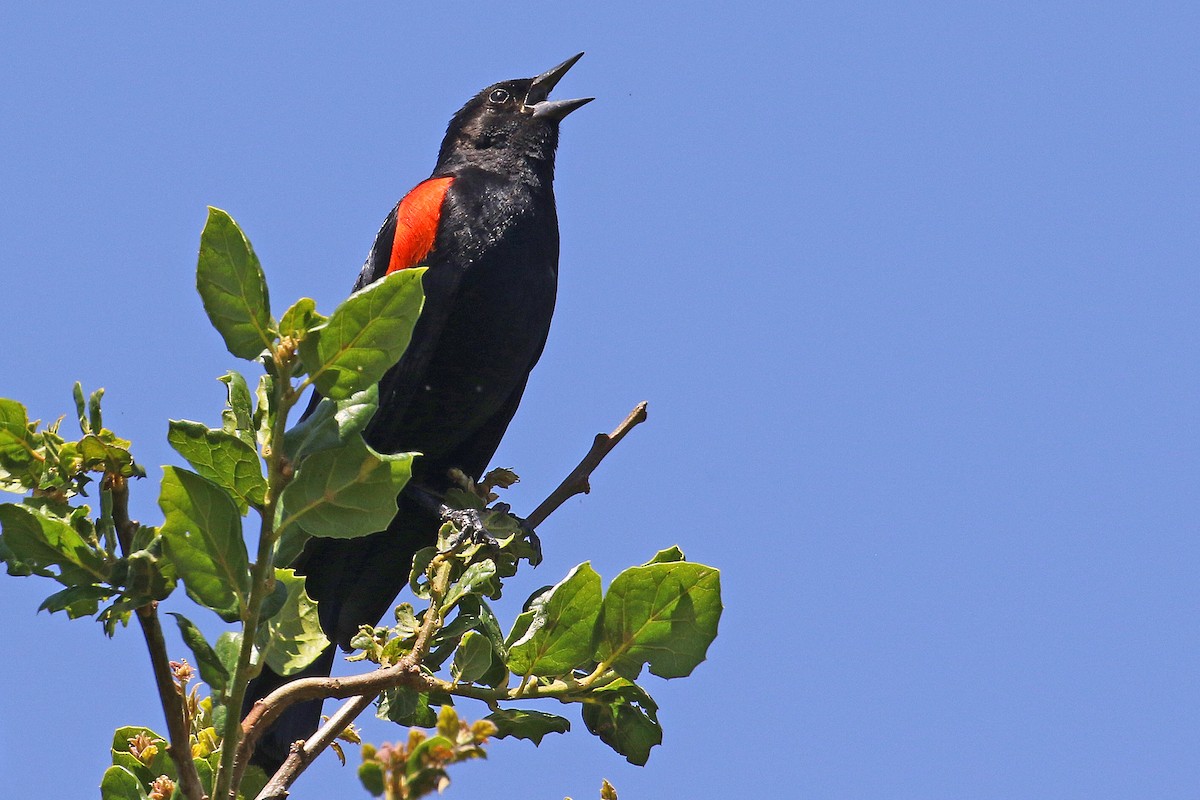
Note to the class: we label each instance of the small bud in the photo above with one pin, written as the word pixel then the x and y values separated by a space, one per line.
pixel 143 748
pixel 182 671
pixel 162 788
pixel 607 792
pixel 482 729
pixel 447 722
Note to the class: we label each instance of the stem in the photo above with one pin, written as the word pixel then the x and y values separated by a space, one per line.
pixel 178 730
pixel 230 768
pixel 577 481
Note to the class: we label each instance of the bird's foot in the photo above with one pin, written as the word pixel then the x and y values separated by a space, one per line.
pixel 470 526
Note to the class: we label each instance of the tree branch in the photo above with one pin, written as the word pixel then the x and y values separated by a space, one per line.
pixel 577 481
pixel 178 733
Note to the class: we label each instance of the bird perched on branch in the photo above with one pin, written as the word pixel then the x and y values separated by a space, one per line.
pixel 485 225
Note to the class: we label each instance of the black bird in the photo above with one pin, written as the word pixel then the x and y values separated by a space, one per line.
pixel 485 225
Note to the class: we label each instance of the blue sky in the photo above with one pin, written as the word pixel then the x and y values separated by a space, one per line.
pixel 911 289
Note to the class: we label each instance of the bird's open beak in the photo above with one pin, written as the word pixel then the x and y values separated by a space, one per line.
pixel 539 90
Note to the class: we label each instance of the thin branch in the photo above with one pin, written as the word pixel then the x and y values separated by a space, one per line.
pixel 178 731
pixel 577 481
pixel 303 753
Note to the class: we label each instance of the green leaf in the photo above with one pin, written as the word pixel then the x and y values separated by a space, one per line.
pixel 472 659
pixel 668 556
pixel 149 769
pixel 119 783
pixel 229 646
pixel 237 418
pixel 232 286
pixel 212 671
pixel 40 541
pixel 104 452
pixel 77 601
pixel 524 724
pixel 479 576
pixel 560 625
pixel 145 576
pixel 626 719
pixel 346 492
pixel 221 457
pixel 95 422
pixel 80 407
pixel 663 615
pixel 406 706
pixel 20 462
pixel 301 318
pixel 202 532
pixel 332 423
pixel 417 580
pixel 292 639
pixel 365 335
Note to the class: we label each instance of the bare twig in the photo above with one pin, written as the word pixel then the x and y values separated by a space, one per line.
pixel 303 753
pixel 577 481
pixel 178 732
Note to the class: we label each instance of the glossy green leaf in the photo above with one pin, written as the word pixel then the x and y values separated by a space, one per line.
pixel 119 783
pixel 663 615
pixel 478 577
pixel 20 461
pixel 212 671
pixel 301 318
pixel 202 532
pixel 292 639
pixel 332 423
pixel 233 288
pixel 41 541
pixel 406 706
pixel 145 576
pixel 626 719
pixel 95 420
pixel 365 335
pixel 237 417
pixel 472 659
pixel 524 724
pixel 556 632
pixel 221 457
pixel 668 556
pixel 104 452
pixel 228 647
pixel 77 601
pixel 345 492
pixel 151 765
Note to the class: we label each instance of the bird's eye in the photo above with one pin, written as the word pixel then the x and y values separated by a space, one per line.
pixel 498 96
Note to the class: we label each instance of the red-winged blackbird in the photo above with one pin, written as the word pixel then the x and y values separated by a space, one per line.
pixel 486 227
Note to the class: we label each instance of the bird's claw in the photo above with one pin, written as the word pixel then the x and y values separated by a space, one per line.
pixel 470 528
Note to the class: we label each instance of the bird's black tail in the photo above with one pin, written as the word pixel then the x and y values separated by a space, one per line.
pixel 298 722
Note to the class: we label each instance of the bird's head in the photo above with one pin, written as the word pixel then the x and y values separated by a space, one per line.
pixel 509 120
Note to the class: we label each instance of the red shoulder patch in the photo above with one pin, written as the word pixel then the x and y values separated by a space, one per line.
pixel 416 223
